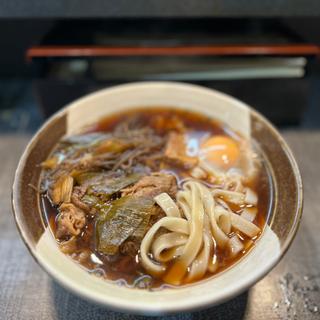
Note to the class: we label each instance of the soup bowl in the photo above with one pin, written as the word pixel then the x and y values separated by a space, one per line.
pixel 281 226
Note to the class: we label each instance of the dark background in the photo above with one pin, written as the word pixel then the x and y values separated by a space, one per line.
pixel 30 90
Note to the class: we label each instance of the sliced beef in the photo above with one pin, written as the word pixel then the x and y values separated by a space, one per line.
pixel 76 198
pixel 175 152
pixel 130 247
pixel 153 185
pixel 70 221
pixel 77 194
pixel 157 214
pixel 69 246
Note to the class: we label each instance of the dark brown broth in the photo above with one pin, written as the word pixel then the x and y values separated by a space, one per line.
pixel 127 269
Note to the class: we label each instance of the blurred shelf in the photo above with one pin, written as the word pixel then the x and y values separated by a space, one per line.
pixel 222 50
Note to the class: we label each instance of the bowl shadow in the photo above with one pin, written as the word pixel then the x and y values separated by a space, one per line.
pixel 71 307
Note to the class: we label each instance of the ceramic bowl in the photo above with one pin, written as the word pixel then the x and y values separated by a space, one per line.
pixel 285 207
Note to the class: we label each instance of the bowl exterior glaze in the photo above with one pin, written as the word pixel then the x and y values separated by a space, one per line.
pixel 280 230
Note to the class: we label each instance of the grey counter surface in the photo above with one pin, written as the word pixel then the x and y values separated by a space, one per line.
pixel 157 8
pixel 290 291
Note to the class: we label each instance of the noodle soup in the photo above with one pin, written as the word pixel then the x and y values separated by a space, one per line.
pixel 157 197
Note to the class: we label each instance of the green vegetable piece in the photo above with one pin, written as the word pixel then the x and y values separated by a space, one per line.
pixel 89 177
pixel 123 218
pixel 106 189
pixel 90 200
pixel 141 230
pixel 86 139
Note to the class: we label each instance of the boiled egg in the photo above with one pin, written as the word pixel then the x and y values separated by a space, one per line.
pixel 220 150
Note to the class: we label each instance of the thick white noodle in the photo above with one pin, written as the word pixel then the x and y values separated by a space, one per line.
pixel 243 225
pixel 235 246
pixel 201 264
pixel 234 179
pixel 198 173
pixel 251 197
pixel 172 224
pixel 223 219
pixel 165 242
pixel 190 196
pixel 229 196
pixel 213 263
pixel 249 213
pixel 212 170
pixel 209 204
pixel 167 205
pixel 199 221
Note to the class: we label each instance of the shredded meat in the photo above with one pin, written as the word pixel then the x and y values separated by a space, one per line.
pixel 70 221
pixel 175 151
pixel 152 185
pixel 140 144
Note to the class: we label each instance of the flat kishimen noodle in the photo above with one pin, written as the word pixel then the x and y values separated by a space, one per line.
pixel 155 198
pixel 249 213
